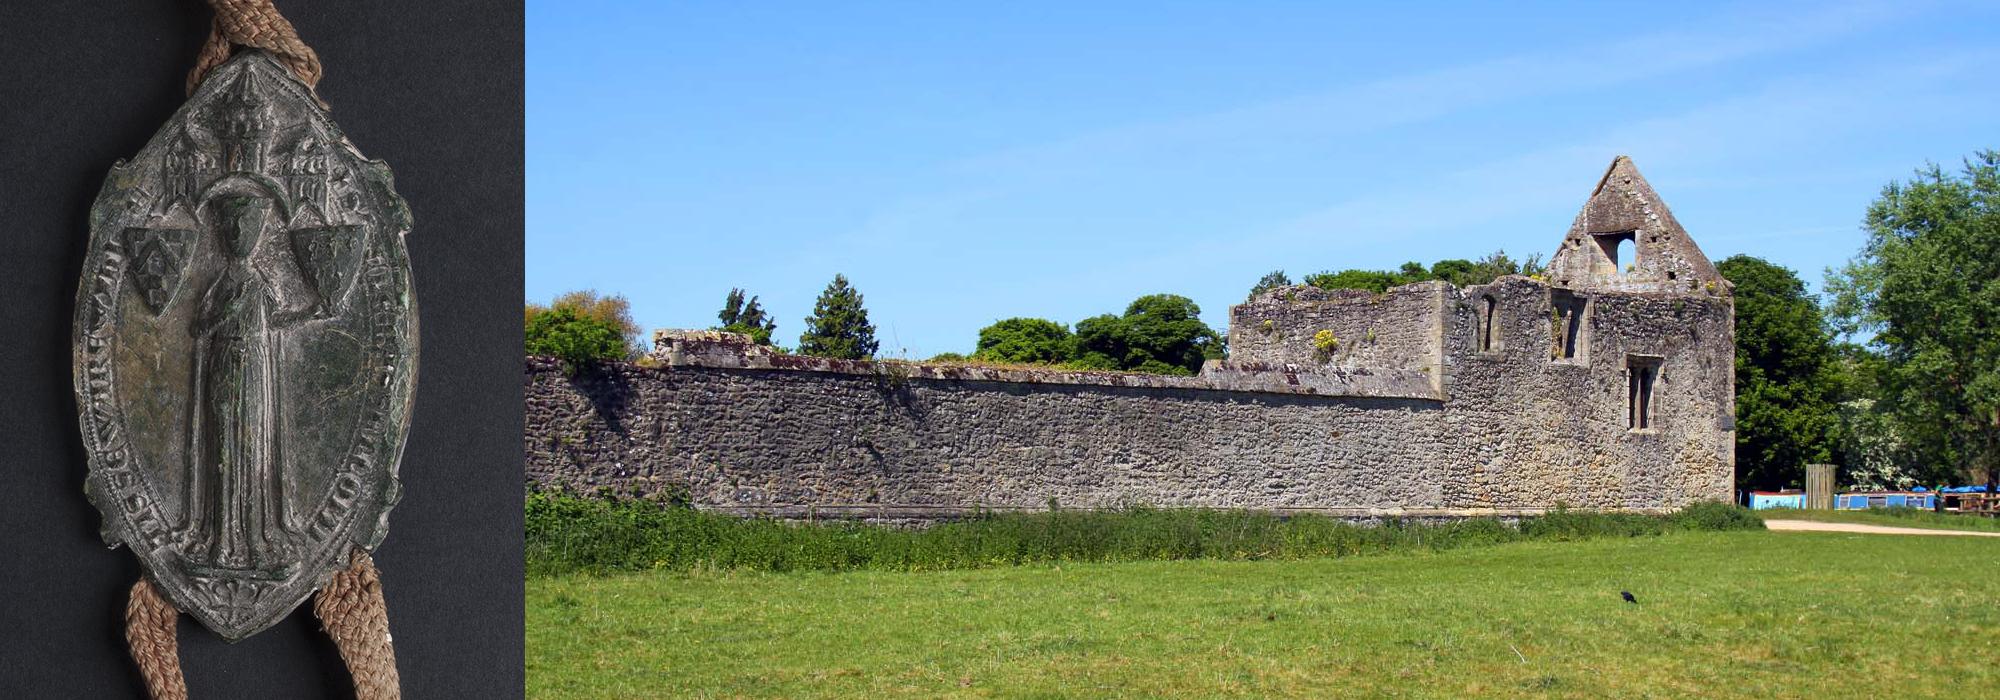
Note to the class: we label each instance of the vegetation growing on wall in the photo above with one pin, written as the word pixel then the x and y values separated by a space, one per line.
pixel 1325 343
pixel 582 328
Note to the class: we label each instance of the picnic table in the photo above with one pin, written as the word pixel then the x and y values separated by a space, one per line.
pixel 1974 503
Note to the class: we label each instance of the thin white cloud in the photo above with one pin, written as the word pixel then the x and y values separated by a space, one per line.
pixel 1348 113
pixel 1406 99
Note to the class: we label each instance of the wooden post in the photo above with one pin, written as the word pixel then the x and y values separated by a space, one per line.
pixel 1819 486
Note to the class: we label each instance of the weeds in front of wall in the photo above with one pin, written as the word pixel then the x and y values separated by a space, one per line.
pixel 569 534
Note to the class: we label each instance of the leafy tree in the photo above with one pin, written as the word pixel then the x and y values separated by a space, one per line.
pixel 1271 280
pixel 1787 382
pixel 1496 265
pixel 1927 285
pixel 1159 333
pixel 1868 444
pixel 575 326
pixel 1029 340
pixel 1375 281
pixel 1872 451
pixel 838 326
pixel 748 318
pixel 579 341
pixel 1100 343
pixel 1456 271
pixel 949 357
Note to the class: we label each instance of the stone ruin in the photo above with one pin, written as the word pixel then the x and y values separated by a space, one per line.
pixel 1607 383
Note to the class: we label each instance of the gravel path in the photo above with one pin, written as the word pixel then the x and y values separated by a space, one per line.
pixel 1811 526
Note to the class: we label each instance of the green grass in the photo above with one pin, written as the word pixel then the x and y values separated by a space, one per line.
pixel 1721 614
pixel 567 534
pixel 1893 517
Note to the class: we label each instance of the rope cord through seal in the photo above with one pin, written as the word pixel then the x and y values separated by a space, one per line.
pixel 256 24
pixel 350 607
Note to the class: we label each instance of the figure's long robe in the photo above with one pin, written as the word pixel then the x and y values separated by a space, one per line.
pixel 236 504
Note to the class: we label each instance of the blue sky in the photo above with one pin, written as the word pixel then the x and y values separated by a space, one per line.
pixel 967 162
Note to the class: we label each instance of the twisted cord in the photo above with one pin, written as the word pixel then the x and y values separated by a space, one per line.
pixel 355 616
pixel 256 24
pixel 350 607
pixel 149 631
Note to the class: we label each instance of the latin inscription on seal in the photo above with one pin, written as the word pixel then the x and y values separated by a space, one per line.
pixel 245 349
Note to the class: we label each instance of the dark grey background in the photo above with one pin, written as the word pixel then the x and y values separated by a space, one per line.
pixel 435 89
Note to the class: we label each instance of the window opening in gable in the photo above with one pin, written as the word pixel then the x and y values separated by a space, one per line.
pixel 1615 247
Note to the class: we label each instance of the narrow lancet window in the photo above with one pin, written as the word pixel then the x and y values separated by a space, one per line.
pixel 1565 324
pixel 1486 330
pixel 1641 373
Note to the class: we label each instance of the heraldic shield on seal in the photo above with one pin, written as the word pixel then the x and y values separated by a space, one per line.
pixel 245 349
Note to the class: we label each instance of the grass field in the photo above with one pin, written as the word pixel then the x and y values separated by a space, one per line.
pixel 1720 614
pixel 1892 517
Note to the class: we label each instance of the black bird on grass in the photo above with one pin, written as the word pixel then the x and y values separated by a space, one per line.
pixel 1628 597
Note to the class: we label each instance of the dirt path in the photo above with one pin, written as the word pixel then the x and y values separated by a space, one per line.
pixel 1811 526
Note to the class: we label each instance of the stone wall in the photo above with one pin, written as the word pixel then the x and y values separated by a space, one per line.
pixel 1399 329
pixel 1439 401
pixel 737 428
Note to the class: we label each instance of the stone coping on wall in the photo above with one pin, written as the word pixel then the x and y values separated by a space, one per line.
pixel 719 350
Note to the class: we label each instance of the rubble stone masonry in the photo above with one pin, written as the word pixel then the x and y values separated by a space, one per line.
pixel 1607 385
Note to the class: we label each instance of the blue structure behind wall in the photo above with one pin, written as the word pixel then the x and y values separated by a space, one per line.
pixel 1857 500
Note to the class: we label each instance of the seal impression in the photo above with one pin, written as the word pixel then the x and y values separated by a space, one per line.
pixel 245 349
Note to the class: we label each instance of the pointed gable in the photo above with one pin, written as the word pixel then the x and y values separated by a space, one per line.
pixel 1625 239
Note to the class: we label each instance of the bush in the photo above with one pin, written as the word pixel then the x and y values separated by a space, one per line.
pixel 1713 515
pixel 577 340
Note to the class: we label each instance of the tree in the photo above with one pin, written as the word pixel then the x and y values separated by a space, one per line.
pixel 1274 279
pixel 1375 281
pixel 575 326
pixel 1868 445
pixel 748 318
pixel 1159 333
pixel 1496 265
pixel 1026 340
pixel 1100 343
pixel 838 326
pixel 1927 286
pixel 577 340
pixel 1787 383
pixel 1459 272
